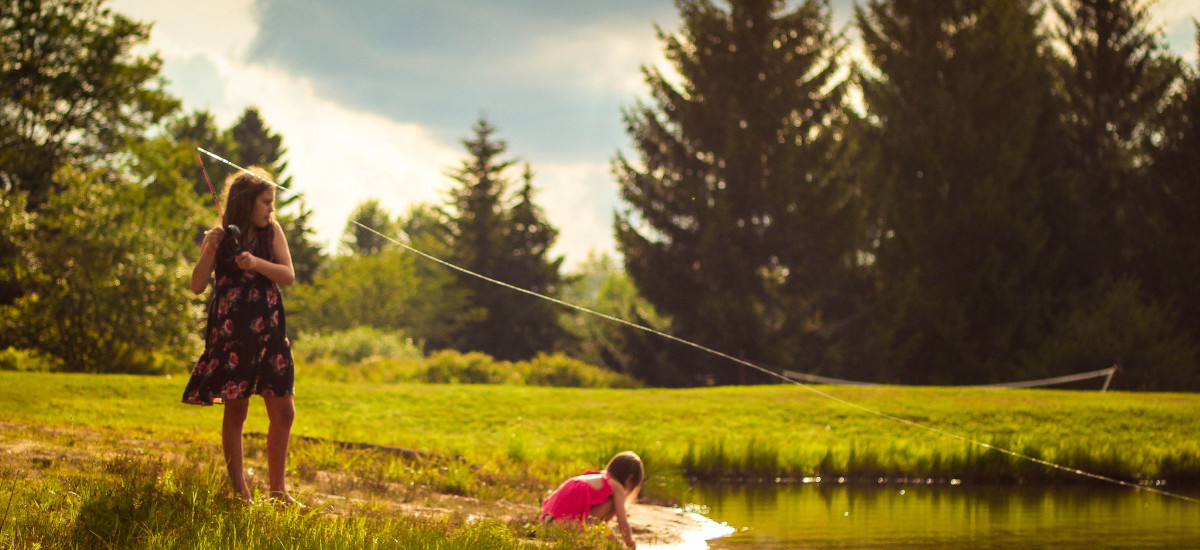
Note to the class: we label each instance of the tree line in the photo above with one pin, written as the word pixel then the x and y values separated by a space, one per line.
pixel 997 190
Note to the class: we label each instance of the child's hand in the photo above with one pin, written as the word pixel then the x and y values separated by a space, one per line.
pixel 246 261
pixel 212 239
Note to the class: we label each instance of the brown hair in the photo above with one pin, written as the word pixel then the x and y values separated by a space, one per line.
pixel 242 188
pixel 627 469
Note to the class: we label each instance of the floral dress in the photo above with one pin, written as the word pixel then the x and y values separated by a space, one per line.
pixel 246 350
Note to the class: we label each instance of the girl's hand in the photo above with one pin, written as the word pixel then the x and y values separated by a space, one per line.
pixel 247 261
pixel 212 239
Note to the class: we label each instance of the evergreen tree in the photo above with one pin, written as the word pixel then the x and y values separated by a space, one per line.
pixel 1114 81
pixel 535 322
pixel 961 139
pixel 487 236
pixel 1173 183
pixel 741 228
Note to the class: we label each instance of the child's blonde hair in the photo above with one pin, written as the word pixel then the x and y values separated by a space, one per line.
pixel 627 469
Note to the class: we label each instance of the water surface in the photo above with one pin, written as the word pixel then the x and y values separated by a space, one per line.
pixel 826 515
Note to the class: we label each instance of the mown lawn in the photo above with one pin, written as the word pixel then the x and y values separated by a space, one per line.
pixel 764 431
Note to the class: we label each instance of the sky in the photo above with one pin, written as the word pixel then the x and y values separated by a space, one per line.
pixel 373 97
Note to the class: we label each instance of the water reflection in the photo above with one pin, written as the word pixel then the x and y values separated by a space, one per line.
pixel 943 516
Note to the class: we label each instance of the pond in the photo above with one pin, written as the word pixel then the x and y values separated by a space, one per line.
pixel 917 515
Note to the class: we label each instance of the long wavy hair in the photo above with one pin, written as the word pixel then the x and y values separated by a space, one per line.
pixel 241 190
pixel 626 468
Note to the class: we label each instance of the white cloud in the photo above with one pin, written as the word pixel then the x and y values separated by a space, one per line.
pixel 339 156
pixel 578 199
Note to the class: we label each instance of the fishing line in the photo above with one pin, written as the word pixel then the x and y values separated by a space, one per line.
pixel 734 359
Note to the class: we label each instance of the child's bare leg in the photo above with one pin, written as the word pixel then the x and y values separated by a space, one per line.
pixel 231 443
pixel 282 412
pixel 603 511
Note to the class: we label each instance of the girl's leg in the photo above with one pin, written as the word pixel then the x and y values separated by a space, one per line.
pixel 231 442
pixel 281 412
pixel 603 511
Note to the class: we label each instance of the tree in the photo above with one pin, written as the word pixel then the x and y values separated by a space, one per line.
pixel 741 227
pixel 103 272
pixel 1174 180
pixel 489 235
pixel 358 239
pixel 600 285
pixel 71 90
pixel 388 290
pixel 1115 79
pixel 960 141
pixel 530 265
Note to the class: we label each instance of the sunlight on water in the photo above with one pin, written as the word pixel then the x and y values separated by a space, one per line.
pixel 945 516
pixel 697 538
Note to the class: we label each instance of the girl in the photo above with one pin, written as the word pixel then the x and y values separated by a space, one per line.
pixel 246 349
pixel 598 496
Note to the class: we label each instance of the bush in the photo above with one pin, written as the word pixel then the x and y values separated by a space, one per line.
pixel 26 360
pixel 563 371
pixel 357 345
pixel 351 356
pixel 468 368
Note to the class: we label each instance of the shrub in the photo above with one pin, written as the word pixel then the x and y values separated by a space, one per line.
pixel 357 345
pixel 26 360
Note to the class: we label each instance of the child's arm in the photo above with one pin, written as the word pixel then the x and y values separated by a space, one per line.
pixel 281 270
pixel 204 266
pixel 618 496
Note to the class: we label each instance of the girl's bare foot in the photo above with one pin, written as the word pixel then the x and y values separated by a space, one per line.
pixel 287 500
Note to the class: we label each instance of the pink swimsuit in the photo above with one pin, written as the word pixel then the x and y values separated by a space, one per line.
pixel 575 498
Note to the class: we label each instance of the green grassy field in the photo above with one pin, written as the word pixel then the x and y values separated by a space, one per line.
pixel 491 448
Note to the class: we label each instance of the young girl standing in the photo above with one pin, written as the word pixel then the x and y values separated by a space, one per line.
pixel 246 349
pixel 599 496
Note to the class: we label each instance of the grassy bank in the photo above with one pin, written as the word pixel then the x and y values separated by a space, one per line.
pixel 764 431
pixel 485 454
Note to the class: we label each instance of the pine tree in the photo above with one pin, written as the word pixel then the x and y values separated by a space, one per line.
pixel 740 226
pixel 961 139
pixel 1114 79
pixel 509 243
pixel 535 323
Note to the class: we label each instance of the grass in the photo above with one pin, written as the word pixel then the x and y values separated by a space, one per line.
pixel 90 450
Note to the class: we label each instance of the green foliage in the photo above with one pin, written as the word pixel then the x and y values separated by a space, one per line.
pixel 357 345
pixel 1124 327
pixel 384 362
pixel 392 290
pixel 602 286
pixel 958 96
pixel 103 292
pixel 74 91
pixel 28 360
pixel 363 241
pixel 742 226
pixel 489 232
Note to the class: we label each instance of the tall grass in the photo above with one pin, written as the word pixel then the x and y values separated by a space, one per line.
pixel 133 501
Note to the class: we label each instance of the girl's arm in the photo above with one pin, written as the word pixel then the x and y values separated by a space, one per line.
pixel 618 496
pixel 281 270
pixel 204 266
